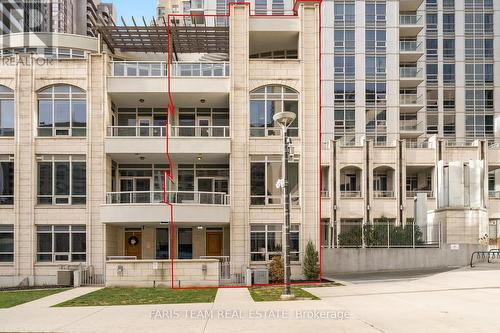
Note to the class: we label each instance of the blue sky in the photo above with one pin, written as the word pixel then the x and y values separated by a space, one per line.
pixel 136 8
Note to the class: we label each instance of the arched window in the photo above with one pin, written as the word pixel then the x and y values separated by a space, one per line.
pixel 6 111
pixel 265 102
pixel 62 111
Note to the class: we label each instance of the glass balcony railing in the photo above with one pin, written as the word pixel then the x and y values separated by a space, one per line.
pixel 410 19
pixel 350 194
pixel 175 131
pixel 383 194
pixel 173 197
pixel 410 46
pixel 410 125
pixel 410 72
pixel 410 99
pixel 159 69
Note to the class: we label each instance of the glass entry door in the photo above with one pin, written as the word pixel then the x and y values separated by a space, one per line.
pixel 134 185
pixel 204 126
pixel 206 185
pixel 144 126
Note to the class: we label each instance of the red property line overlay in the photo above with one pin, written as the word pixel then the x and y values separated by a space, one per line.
pixel 171 112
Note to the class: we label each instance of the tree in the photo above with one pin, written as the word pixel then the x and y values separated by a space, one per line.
pixel 311 262
pixel 277 269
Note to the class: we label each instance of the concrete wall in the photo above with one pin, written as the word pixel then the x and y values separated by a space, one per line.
pixel 142 273
pixel 372 260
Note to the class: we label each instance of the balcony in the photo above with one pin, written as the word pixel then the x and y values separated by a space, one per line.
pixel 152 207
pixel 411 128
pixel 410 103
pixel 182 140
pixel 131 79
pixel 410 51
pixel 383 194
pixel 350 194
pixel 410 77
pixel 410 25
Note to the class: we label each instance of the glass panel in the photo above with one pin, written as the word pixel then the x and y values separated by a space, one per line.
pixel 79 242
pixel 44 242
pixel 162 247
pixel 61 242
pixel 273 174
pixel 45 178
pixel 79 178
pixel 6 118
pixel 79 113
pixel 6 242
pixel 185 236
pixel 62 113
pixel 62 179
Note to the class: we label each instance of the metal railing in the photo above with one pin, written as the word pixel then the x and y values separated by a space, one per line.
pixel 350 194
pixel 175 131
pixel 417 144
pixel 388 235
pixel 383 194
pixel 412 194
pixel 410 46
pixel 460 142
pixel 410 72
pixel 160 69
pixel 410 19
pixel 200 131
pixel 6 200
pixel 224 266
pixel 494 194
pixel 410 99
pixel 135 131
pixel 88 277
pixel 174 197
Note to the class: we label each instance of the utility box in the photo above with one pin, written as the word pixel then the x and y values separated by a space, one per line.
pixel 261 276
pixel 65 278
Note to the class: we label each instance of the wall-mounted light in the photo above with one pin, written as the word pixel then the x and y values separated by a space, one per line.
pixel 141 100
pixel 200 227
pixel 199 158
pixel 202 101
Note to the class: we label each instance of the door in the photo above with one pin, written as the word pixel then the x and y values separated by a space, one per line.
pixel 144 126
pixel 204 126
pixel 206 186
pixel 143 189
pixel 214 244
pixel 133 244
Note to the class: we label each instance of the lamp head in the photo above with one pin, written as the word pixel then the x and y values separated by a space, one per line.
pixel 284 118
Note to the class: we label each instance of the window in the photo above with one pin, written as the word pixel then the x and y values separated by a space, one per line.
pixel 344 12
pixel 265 102
pixel 375 40
pixel 62 111
pixel 449 4
pixel 431 48
pixel 344 67
pixel 6 243
pixel 344 41
pixel 62 180
pixel 66 243
pixel 448 100
pixel 448 23
pixel 449 48
pixel 344 123
pixel 479 74
pixel 449 74
pixel 449 125
pixel 6 180
pixel 6 111
pixel 185 243
pixel 375 66
pixel 266 242
pixel 264 173
pixel 432 73
pixel 162 243
pixel 375 12
pixel 344 93
pixel 432 23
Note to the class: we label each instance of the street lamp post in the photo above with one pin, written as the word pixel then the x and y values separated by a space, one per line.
pixel 285 119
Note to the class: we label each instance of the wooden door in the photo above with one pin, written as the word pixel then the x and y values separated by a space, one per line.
pixel 133 244
pixel 214 244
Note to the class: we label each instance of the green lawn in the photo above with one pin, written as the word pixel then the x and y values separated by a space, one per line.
pixel 137 296
pixel 12 298
pixel 273 293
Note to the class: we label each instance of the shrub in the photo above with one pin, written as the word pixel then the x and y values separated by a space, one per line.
pixel 311 262
pixel 277 269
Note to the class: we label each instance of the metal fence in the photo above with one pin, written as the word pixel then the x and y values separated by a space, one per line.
pixel 89 278
pixel 387 235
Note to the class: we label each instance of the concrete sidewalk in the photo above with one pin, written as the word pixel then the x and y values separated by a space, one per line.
pixel 462 300
pixel 55 299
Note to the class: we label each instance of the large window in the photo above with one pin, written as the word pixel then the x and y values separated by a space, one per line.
pixel 6 243
pixel 62 111
pixel 6 111
pixel 62 180
pixel 6 180
pixel 264 173
pixel 266 241
pixel 265 102
pixel 61 243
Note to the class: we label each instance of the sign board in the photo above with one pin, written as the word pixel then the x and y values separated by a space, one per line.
pixel 454 246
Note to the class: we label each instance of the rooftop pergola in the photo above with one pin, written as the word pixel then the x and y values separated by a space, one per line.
pixel 188 35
